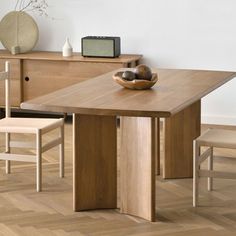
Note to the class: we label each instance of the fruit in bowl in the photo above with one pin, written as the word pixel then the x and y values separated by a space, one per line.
pixel 143 72
pixel 128 75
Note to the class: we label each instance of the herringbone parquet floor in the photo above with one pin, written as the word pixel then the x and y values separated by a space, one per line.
pixel 25 212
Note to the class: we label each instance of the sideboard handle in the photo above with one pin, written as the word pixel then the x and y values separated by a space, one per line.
pixel 27 78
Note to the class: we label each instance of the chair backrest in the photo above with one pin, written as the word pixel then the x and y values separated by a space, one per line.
pixel 5 76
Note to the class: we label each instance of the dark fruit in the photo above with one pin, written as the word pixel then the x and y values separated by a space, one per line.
pixel 128 75
pixel 143 72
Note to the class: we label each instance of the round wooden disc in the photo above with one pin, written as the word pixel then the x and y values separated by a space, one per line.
pixel 18 29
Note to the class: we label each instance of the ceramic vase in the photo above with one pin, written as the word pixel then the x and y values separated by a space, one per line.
pixel 67 50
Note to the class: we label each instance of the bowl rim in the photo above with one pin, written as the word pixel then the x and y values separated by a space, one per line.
pixel 135 84
pixel 117 75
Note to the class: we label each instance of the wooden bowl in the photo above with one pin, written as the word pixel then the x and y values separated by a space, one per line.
pixel 135 84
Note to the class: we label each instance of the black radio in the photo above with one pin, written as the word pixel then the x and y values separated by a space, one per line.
pixel 100 46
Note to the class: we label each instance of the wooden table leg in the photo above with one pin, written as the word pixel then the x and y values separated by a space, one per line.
pixel 139 148
pixel 180 130
pixel 95 162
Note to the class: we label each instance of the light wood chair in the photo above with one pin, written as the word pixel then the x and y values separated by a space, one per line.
pixel 212 138
pixel 38 127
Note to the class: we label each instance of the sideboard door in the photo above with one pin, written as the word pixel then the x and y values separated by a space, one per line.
pixel 41 77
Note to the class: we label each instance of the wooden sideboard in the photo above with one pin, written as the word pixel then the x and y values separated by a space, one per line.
pixel 37 73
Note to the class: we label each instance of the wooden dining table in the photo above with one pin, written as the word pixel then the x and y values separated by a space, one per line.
pixel 97 103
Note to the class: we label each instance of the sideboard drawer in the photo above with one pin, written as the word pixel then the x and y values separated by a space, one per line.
pixel 15 79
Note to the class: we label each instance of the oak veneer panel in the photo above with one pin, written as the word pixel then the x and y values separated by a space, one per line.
pixel 15 75
pixel 48 76
pixel 95 162
pixel 180 130
pixel 137 166
pixel 175 90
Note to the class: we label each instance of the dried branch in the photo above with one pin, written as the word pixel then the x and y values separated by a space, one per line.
pixel 17 2
pixel 39 6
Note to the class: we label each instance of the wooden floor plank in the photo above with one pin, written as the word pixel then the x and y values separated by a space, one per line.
pixel 25 212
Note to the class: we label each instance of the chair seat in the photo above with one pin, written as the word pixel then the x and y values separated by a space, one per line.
pixel 28 125
pixel 218 138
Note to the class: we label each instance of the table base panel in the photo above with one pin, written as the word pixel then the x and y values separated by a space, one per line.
pixel 138 154
pixel 179 132
pixel 95 162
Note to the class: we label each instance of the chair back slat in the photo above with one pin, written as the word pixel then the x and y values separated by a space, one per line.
pixel 5 76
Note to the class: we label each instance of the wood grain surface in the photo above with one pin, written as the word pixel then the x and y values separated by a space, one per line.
pixel 175 90
pixel 38 73
pixel 180 130
pixel 138 156
pixel 48 76
pixel 95 162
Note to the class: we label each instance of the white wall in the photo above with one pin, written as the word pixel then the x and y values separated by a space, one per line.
pixel 198 34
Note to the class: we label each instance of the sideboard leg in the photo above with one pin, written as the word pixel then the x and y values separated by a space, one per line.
pixel 95 162
pixel 138 155
pixel 65 115
pixel 2 113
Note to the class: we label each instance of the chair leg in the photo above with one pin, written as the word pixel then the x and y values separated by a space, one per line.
pixel 62 152
pixel 196 155
pixel 7 150
pixel 8 167
pixel 39 161
pixel 210 167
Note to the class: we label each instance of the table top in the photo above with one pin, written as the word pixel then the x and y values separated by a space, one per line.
pixel 175 90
